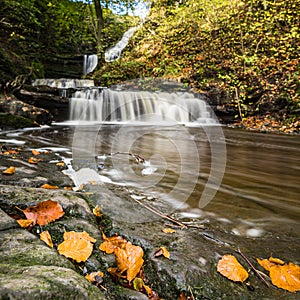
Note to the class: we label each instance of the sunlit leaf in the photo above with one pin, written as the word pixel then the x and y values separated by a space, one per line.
pixel 24 222
pixel 50 187
pixel 44 212
pixel 229 267
pixel 97 211
pixel 162 251
pixel 110 244
pixel 34 160
pixel 60 164
pixel 73 235
pixel 130 259
pixel 286 277
pixel 9 171
pixel 276 260
pixel 46 237
pixel 168 230
pixel 35 152
pixel 265 263
pixel 77 249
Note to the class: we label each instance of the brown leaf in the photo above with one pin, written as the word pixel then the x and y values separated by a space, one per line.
pixel 162 251
pixel 77 249
pixel 34 160
pixel 9 171
pixel 130 259
pixel 183 296
pixel 286 277
pixel 46 237
pixel 44 212
pixel 68 188
pixel 95 277
pixel 35 152
pixel 168 230
pixel 229 267
pixel 50 187
pixel 24 223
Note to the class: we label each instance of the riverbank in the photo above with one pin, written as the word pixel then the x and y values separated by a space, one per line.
pixel 195 248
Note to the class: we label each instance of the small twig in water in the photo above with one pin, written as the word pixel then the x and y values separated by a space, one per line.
pixel 159 213
pixel 252 267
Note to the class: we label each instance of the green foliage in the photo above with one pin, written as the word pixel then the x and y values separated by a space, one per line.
pixel 250 49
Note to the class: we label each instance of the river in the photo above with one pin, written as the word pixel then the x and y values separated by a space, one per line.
pixel 259 192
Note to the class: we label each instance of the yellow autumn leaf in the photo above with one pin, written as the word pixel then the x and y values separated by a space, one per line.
pixel 9 171
pixel 79 250
pixel 34 160
pixel 276 260
pixel 168 230
pixel 46 237
pixel 74 235
pixel 50 187
pixel 97 211
pixel 265 263
pixel 229 267
pixel 24 223
pixel 35 152
pixel 286 277
pixel 162 251
pixel 60 164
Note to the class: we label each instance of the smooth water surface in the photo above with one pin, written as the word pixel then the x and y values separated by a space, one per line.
pixel 259 194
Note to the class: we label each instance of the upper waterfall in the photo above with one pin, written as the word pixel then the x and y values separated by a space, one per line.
pixel 90 62
pixel 106 105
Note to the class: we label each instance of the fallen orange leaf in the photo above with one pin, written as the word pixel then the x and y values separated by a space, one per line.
pixel 162 251
pixel 35 152
pixel 110 244
pixel 129 257
pixel 276 260
pixel 76 245
pixel 95 277
pixel 79 250
pixel 73 235
pixel 34 160
pixel 60 164
pixel 46 237
pixel 97 211
pixel 44 212
pixel 50 187
pixel 8 152
pixel 9 171
pixel 68 188
pixel 286 277
pixel 24 222
pixel 168 230
pixel 229 267
pixel 265 263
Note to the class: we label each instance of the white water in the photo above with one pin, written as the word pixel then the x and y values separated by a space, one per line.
pixel 106 105
pixel 90 62
pixel 114 53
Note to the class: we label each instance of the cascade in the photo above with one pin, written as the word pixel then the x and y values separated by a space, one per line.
pixel 114 53
pixel 107 105
pixel 89 63
pixel 64 83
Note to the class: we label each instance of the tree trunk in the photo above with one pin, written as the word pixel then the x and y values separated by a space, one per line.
pixel 100 25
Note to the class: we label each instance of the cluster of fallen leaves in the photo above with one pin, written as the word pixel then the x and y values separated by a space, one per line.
pixel 269 123
pixel 284 276
pixel 79 246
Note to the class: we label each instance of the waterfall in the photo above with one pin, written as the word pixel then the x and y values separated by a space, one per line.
pixel 64 83
pixel 89 63
pixel 114 53
pixel 106 105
